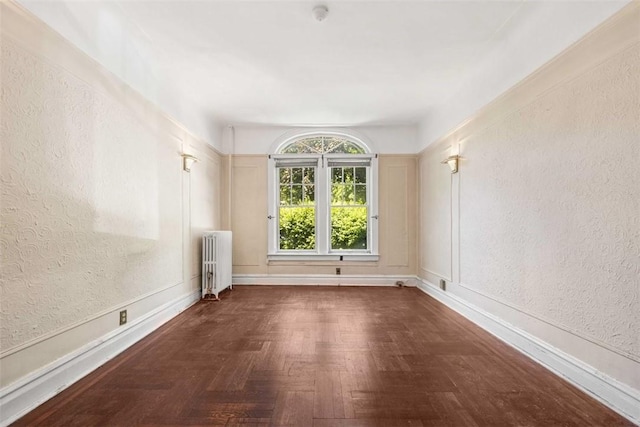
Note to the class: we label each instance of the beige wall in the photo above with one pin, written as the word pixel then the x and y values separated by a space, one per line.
pixel 208 201
pixel 96 209
pixel 397 208
pixel 541 226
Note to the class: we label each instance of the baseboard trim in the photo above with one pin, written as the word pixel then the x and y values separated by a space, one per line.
pixel 617 396
pixel 19 398
pixel 322 280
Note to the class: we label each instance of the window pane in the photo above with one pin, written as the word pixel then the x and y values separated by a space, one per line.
pixel 361 175
pixel 291 148
pixel 285 175
pixel 296 194
pixel 348 175
pixel 361 194
pixel 337 194
pixel 313 144
pixel 304 146
pixel 285 195
pixel 349 194
pixel 308 175
pixel 297 228
pixel 296 175
pixel 351 148
pixel 336 175
pixel 333 144
pixel 348 228
pixel 309 194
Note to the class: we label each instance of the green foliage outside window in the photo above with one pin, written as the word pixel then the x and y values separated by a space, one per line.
pixel 349 228
pixel 298 228
pixel 348 207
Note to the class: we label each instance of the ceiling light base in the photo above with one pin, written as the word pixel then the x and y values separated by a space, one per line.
pixel 320 12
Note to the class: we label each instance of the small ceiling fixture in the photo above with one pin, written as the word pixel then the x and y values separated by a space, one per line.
pixel 320 12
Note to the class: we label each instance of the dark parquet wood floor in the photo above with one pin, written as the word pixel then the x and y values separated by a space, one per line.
pixel 323 357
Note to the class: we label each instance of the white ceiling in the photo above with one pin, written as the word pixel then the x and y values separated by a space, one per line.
pixel 271 63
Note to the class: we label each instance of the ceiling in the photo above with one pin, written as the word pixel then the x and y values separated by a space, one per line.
pixel 272 63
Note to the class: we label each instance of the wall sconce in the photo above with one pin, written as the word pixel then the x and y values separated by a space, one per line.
pixel 452 161
pixel 187 161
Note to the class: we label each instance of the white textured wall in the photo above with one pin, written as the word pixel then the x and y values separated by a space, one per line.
pixel 555 230
pixel 95 207
pixel 91 201
pixel 547 203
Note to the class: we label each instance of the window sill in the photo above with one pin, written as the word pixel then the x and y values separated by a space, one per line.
pixel 330 259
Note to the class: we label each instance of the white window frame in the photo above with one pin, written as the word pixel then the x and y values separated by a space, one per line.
pixel 323 249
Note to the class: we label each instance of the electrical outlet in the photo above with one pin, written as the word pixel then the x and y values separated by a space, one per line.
pixel 443 284
pixel 338 271
pixel 123 317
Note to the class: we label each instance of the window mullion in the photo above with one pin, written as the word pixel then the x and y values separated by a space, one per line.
pixel 322 219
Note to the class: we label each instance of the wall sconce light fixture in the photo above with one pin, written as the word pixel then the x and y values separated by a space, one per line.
pixel 187 161
pixel 452 161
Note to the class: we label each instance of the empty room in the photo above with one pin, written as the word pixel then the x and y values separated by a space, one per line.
pixel 305 213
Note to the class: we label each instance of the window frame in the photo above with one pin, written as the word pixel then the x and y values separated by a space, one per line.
pixel 323 249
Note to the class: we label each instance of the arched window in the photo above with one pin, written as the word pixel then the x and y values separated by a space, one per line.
pixel 323 199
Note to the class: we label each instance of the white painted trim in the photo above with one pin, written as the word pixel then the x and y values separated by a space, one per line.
pixel 349 256
pixel 24 395
pixel 322 280
pixel 433 273
pixel 616 395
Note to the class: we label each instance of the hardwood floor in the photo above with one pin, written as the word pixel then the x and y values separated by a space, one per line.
pixel 323 357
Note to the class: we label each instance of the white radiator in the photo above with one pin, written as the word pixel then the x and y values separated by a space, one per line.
pixel 216 262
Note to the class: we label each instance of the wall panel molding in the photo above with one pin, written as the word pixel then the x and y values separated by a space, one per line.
pixel 397 216
pixel 440 275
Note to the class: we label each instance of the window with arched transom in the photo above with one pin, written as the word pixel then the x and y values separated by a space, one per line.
pixel 323 198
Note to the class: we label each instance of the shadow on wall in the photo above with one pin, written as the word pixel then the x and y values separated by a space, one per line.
pixel 91 199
